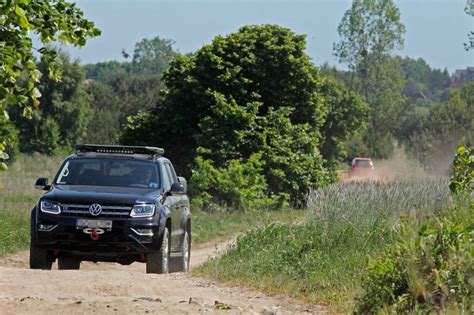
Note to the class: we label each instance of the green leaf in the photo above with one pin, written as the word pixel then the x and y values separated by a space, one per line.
pixel 22 20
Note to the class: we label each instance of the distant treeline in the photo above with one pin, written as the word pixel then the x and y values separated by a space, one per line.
pixel 252 97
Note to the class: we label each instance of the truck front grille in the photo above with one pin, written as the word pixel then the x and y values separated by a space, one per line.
pixel 108 210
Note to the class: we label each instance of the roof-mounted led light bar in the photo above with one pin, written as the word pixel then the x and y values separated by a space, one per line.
pixel 118 149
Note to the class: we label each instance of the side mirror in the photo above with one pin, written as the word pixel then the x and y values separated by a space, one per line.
pixel 42 183
pixel 178 189
pixel 183 181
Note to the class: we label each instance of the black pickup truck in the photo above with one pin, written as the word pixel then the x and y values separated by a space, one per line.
pixel 115 204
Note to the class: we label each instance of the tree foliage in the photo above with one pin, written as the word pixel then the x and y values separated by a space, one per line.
pixel 434 136
pixel 152 56
pixel 251 93
pixel 134 92
pixel 104 123
pixel 62 119
pixel 9 134
pixel 370 31
pixel 56 20
pixel 423 84
pixel 122 89
pixel 348 115
pixel 462 180
pixel 106 71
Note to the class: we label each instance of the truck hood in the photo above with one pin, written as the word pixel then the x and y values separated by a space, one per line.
pixel 101 194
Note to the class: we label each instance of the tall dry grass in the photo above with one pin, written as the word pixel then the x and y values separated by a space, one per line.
pixel 20 178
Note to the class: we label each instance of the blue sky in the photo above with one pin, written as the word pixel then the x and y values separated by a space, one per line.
pixel 436 29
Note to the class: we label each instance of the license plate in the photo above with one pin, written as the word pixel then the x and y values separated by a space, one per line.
pixel 85 223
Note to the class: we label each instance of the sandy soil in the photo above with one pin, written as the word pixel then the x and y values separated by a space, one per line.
pixel 114 289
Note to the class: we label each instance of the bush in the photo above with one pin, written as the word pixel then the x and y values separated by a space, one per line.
pixel 428 269
pixel 238 185
pixel 463 171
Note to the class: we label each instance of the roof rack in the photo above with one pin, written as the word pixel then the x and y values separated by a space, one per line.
pixel 118 149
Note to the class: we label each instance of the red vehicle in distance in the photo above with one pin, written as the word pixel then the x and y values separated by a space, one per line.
pixel 361 167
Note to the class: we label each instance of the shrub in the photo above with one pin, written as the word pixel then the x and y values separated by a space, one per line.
pixel 428 269
pixel 239 185
pixel 463 171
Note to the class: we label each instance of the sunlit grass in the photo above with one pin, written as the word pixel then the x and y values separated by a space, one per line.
pixel 322 260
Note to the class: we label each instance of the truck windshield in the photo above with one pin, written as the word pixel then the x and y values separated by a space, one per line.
pixel 363 163
pixel 109 172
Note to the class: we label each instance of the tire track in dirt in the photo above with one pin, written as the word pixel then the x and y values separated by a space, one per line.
pixel 114 289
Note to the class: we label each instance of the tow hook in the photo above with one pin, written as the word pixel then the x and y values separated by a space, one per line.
pixel 94 233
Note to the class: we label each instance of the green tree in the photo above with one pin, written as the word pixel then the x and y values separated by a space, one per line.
pixel 65 108
pixel 135 92
pixel 370 31
pixel 348 115
pixel 434 140
pixel 152 56
pixel 56 20
pixel 254 91
pixel 104 124
pixel 421 81
pixel 136 85
pixel 106 71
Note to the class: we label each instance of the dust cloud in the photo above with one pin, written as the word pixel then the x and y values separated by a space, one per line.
pixel 402 167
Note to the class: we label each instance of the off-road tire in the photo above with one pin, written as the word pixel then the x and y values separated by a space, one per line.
pixel 40 258
pixel 159 261
pixel 181 264
pixel 69 263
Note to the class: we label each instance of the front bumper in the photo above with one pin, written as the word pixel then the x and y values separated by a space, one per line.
pixel 121 240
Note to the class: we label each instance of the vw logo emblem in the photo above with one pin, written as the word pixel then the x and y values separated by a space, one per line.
pixel 95 209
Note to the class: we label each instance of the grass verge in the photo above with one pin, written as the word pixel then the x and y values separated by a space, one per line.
pixel 322 260
pixel 14 231
pixel 221 225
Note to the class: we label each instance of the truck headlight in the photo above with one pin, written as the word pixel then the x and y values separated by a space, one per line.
pixel 142 211
pixel 50 207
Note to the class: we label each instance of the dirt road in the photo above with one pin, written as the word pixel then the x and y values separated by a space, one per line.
pixel 115 289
